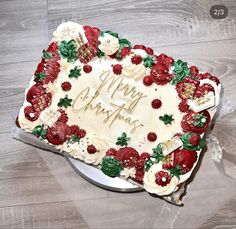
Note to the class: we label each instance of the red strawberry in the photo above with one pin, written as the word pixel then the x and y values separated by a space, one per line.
pixel 162 178
pixel 195 139
pixel 185 159
pixel 58 133
pixel 128 156
pixel 188 121
pixel 31 114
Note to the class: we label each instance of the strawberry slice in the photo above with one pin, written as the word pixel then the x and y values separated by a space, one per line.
pixel 58 133
pixel 196 122
pixel 185 159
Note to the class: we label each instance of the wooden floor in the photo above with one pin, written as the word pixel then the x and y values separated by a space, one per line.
pixel 39 189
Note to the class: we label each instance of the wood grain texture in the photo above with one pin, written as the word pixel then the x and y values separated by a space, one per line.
pixel 39 189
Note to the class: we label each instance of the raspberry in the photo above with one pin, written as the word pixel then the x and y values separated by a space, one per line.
pixel 91 149
pixel 117 69
pixel 156 103
pixel 152 137
pixel 136 59
pixel 87 68
pixel 139 176
pixel 66 86
pixel 147 81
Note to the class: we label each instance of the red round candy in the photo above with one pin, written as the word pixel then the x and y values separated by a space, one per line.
pixel 91 149
pixel 87 68
pixel 156 103
pixel 117 69
pixel 136 59
pixel 152 137
pixel 66 86
pixel 147 81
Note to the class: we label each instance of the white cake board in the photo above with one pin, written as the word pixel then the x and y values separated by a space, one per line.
pixel 88 172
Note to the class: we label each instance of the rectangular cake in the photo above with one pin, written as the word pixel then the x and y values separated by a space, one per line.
pixel 129 111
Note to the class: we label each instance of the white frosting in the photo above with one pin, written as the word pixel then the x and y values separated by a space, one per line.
pixel 128 172
pixel 151 186
pixel 131 70
pixel 108 44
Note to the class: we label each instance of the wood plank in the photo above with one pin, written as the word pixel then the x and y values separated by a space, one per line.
pixel 48 215
pixel 169 22
pixel 24 30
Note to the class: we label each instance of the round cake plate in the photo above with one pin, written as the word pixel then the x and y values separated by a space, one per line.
pixel 96 176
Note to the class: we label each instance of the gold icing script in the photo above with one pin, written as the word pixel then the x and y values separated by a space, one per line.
pixel 111 84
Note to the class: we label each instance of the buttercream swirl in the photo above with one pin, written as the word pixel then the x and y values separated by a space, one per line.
pixel 108 44
pixel 134 71
pixel 151 186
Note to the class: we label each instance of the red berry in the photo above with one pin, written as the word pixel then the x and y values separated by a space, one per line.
pixel 128 156
pixel 66 86
pixel 91 149
pixel 117 69
pixel 162 178
pixel 194 70
pixel 145 155
pixel 152 137
pixel 136 59
pixel 147 81
pixel 81 133
pixel 149 50
pixel 111 152
pixel 194 139
pixel 87 68
pixel 125 51
pixel 156 103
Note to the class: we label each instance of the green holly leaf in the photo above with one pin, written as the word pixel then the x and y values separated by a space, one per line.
pixel 167 119
pixel 147 165
pixel 65 102
pixel 175 171
pixel 100 53
pixel 73 139
pixel 148 61
pixel 199 120
pixel 39 131
pixel 157 153
pixel 122 140
pixel 39 76
pixel 180 71
pixel 75 73
pixel 46 55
